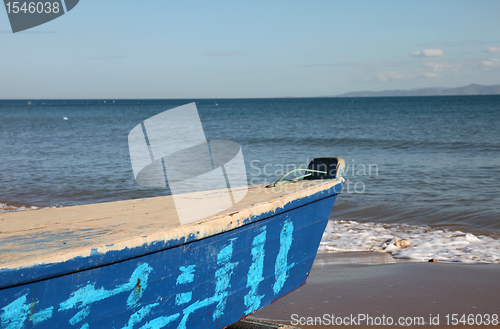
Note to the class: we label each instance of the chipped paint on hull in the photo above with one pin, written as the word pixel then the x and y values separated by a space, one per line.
pixel 187 275
pixel 281 267
pixel 255 272
pixel 139 315
pixel 87 295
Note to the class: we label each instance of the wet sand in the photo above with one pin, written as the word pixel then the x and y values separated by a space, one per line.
pixel 354 287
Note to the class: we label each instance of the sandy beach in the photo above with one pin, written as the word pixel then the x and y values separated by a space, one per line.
pixel 370 289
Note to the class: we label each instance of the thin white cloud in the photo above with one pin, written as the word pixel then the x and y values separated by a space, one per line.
pixel 494 50
pixel 491 64
pixel 225 53
pixel 393 75
pixel 426 53
pixel 441 67
pixel 431 75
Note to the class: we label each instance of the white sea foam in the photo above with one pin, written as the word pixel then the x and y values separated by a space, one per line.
pixel 4 207
pixel 425 242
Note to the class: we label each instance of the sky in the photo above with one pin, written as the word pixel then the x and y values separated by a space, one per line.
pixel 112 49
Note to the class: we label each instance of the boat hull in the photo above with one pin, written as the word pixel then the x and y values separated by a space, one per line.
pixel 207 283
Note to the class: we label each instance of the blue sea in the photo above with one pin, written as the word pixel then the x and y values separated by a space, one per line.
pixel 414 164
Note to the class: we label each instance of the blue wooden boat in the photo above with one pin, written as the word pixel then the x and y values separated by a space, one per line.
pixel 130 264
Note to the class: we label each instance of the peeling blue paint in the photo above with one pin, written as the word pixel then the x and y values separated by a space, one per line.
pixel 42 315
pixel 187 275
pixel 15 313
pixel 139 315
pixel 281 268
pixel 183 298
pixel 222 276
pixel 84 297
pixel 255 272
pixel 160 322
pixel 80 316
pixel 88 294
pixel 226 253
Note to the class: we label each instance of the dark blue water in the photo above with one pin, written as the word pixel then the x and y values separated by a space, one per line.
pixel 416 160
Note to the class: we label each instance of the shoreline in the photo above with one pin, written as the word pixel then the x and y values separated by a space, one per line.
pixel 347 285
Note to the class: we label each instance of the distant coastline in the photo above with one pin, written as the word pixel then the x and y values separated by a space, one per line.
pixel 472 89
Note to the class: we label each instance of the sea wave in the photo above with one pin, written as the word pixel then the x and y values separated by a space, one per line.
pixel 12 207
pixel 422 243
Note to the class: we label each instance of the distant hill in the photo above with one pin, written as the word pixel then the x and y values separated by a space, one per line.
pixel 472 89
